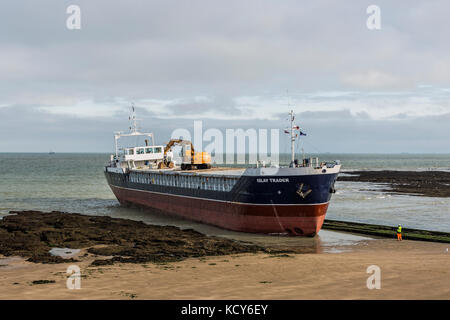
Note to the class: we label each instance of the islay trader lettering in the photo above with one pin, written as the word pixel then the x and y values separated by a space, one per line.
pixel 272 180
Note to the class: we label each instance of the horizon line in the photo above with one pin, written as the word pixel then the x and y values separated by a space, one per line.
pixel 286 153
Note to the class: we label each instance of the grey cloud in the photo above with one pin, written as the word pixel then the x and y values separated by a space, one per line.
pixel 140 48
pixel 325 115
pixel 178 50
pixel 199 106
pixel 24 128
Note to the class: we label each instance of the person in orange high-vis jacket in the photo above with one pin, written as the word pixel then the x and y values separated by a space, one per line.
pixel 399 233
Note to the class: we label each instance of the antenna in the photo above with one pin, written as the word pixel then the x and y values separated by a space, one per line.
pixel 133 120
pixel 134 132
pixel 294 135
pixel 290 131
pixel 292 117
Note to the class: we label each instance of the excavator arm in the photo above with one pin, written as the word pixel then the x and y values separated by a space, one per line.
pixel 173 142
pixel 200 160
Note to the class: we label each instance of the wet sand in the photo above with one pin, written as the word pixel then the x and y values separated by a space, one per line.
pixel 163 262
pixel 409 270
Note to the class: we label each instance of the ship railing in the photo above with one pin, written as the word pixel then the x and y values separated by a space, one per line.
pixel 332 164
pixel 314 163
pixel 202 182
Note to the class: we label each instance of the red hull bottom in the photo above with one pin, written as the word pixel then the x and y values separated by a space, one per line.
pixel 302 220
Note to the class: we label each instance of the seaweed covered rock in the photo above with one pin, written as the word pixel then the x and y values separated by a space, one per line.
pixel 32 234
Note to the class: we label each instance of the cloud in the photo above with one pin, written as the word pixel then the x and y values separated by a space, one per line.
pixel 83 109
pixel 373 79
pixel 27 128
pixel 204 106
pixel 229 63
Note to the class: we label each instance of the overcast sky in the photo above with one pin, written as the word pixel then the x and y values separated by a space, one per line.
pixel 230 63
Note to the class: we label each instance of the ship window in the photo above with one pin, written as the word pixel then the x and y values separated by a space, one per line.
pixel 158 150
pixel 140 151
pixel 130 151
pixel 148 150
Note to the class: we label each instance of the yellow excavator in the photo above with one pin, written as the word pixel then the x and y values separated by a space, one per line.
pixel 191 159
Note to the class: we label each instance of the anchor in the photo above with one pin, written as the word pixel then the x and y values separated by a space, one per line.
pixel 301 193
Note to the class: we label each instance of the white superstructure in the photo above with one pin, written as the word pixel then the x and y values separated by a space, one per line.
pixel 146 156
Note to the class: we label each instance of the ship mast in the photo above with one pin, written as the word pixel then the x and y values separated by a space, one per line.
pixel 292 117
pixel 132 118
pixel 133 131
pixel 292 132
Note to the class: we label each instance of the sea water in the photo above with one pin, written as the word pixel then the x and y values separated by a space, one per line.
pixel 76 183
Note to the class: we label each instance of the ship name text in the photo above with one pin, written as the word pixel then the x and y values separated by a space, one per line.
pixel 272 180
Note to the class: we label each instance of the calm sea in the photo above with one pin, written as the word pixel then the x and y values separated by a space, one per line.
pixel 75 183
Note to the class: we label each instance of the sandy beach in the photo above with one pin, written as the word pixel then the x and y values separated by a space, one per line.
pixel 409 270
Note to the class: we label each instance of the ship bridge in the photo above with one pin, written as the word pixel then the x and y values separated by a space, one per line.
pixel 144 153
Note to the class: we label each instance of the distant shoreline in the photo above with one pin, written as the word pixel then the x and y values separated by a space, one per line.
pixel 417 183
pixel 309 154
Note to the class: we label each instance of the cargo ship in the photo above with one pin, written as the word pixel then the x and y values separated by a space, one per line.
pixel 268 199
